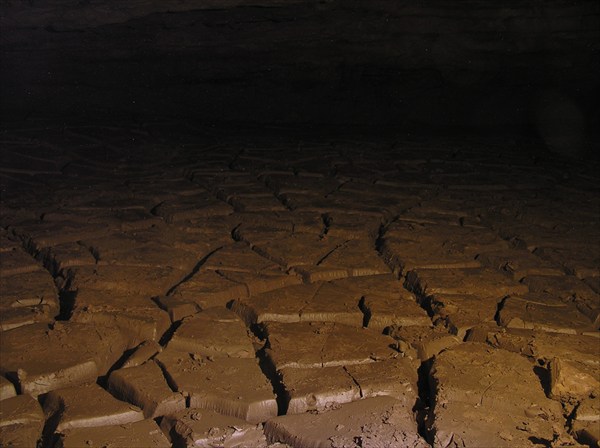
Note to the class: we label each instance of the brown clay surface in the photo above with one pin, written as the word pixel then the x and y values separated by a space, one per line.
pixel 144 433
pixel 191 291
pixel 497 391
pixel 87 406
pixel 201 427
pixel 232 386
pixel 373 422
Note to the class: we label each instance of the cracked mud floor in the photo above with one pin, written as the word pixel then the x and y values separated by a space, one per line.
pixel 168 286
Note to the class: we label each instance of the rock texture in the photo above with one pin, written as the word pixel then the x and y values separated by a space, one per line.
pixel 176 287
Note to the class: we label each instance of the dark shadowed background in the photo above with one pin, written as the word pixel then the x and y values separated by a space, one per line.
pixel 398 64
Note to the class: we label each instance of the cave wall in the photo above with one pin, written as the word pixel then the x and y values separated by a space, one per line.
pixel 440 62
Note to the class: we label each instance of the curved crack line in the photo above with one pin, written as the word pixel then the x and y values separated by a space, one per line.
pixel 194 270
pixel 485 391
pixel 328 254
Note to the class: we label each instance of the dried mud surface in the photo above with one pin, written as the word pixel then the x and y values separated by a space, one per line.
pixel 164 285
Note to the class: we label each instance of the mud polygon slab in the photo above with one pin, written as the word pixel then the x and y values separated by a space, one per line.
pixel 480 333
pixel 86 406
pixel 314 274
pixel 196 427
pixel 238 257
pixel 28 289
pixel 228 189
pixel 385 311
pixel 96 300
pixel 215 177
pixel 20 410
pixel 280 221
pixel 281 305
pixel 588 410
pixel 552 315
pixel 289 183
pixel 561 287
pixel 461 312
pixel 363 203
pixel 11 318
pixel 404 256
pixel 357 257
pixel 489 397
pixel 444 305
pixel 17 261
pixel 569 383
pixel 466 241
pixel 423 343
pixel 379 421
pixel 333 303
pixel 264 281
pixel 146 255
pixel 541 344
pixel 146 387
pixel 568 288
pixel 490 370
pixel 353 227
pixel 317 389
pixel 178 307
pixel 481 282
pixel 199 237
pixel 257 235
pixel 324 344
pixel 193 207
pixel 138 324
pixel 468 425
pixel 385 285
pixel 237 193
pixel 145 433
pixel 581 351
pixel 129 220
pixel 303 222
pixel 581 262
pixel 519 263
pixel 305 202
pixel 209 288
pixel 231 386
pixel 429 216
pixel 42 357
pixel 144 281
pixel 298 249
pixel 21 421
pixel 119 246
pixel 266 203
pixel 442 211
pixel 396 378
pixel 214 332
pixel 142 353
pixel 66 255
pixel 39 235
pixel 28 434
